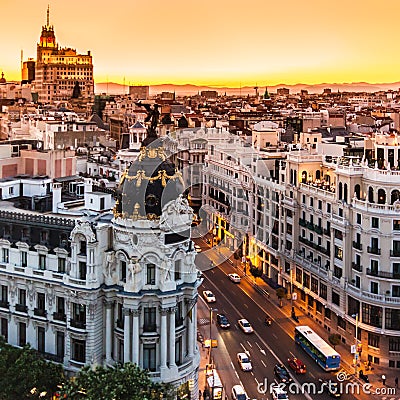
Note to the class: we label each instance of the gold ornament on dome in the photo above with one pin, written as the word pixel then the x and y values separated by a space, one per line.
pixel 141 175
pixel 151 152
pixel 152 217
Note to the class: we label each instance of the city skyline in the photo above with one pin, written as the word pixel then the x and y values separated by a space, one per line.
pixel 220 43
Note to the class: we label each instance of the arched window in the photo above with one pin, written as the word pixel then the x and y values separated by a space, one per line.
pixel 340 191
pixel 327 178
pixel 318 174
pixel 394 196
pixel 304 177
pixel 371 195
pixel 381 196
pixel 345 191
pixel 357 191
pixel 291 177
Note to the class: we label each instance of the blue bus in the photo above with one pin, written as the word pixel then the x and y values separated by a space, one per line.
pixel 326 357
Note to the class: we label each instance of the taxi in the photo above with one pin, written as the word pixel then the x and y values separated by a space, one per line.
pixel 297 365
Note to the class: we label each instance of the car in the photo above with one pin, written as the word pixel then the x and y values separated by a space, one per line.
pixel 244 362
pixel 197 248
pixel 222 321
pixel 331 388
pixel 238 393
pixel 245 326
pixel 282 374
pixel 208 296
pixel 234 278
pixel 279 394
pixel 296 365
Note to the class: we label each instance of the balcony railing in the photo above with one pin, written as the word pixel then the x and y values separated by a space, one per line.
pixel 39 312
pixel 395 253
pixel 21 308
pixel 4 304
pixel 53 357
pixel 356 266
pixel 327 232
pixel 77 324
pixel 374 250
pixel 59 316
pixel 383 274
pixel 357 245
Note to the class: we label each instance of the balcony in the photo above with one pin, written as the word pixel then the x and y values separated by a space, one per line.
pixel 357 267
pixel 395 253
pixel 57 316
pixel 4 304
pixel 39 312
pixel 53 357
pixel 77 324
pixel 374 250
pixel 327 232
pixel 383 274
pixel 357 245
pixel 318 229
pixel 302 222
pixel 21 308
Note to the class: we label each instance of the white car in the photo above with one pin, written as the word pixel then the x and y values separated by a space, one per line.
pixel 238 393
pixel 197 248
pixel 234 277
pixel 279 394
pixel 245 326
pixel 208 296
pixel 244 362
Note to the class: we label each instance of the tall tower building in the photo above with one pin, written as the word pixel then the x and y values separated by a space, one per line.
pixel 58 70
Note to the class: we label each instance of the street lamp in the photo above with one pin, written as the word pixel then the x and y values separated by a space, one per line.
pixel 356 345
pixel 211 314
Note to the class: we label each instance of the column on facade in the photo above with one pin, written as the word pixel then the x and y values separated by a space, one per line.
pixel 193 338
pixel 163 339
pixel 127 334
pixel 172 338
pixel 135 336
pixel 190 328
pixel 109 330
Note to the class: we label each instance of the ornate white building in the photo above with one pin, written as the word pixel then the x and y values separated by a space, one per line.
pixel 108 288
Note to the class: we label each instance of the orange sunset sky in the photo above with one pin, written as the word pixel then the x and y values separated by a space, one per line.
pixel 214 42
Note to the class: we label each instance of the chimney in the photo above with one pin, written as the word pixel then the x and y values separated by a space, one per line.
pixel 56 196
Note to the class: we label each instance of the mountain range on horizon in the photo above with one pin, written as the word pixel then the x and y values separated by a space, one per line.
pixel 190 89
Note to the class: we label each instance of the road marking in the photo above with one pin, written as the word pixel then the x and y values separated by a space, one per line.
pixel 233 367
pixel 244 348
pixel 256 380
pixel 276 337
pixel 263 363
pixel 249 343
pixel 312 375
pixel 246 305
pixel 261 349
pixel 252 373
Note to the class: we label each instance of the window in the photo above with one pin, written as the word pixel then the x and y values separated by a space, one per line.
pixel 337 272
pixel 358 219
pixel 82 270
pixel 319 205
pixel 22 297
pixel 372 315
pixel 150 314
pixel 61 265
pixel 151 274
pixel 4 295
pixel 318 306
pixel 60 345
pixel 79 314
pixel 178 351
pixel 24 259
pixel 338 253
pixel 41 339
pixel 41 301
pixel 335 298
pixel 395 291
pixel 21 334
pixel 323 291
pixel 375 222
pixel 394 343
pixel 341 323
pixel 306 280
pixel 4 328
pixel 78 350
pixel 310 301
pixel 314 284
pixel 5 256
pixel 177 270
pixel 374 267
pixel 82 248
pixel 179 314
pixel 311 201
pixel 327 313
pixel 374 287
pixel 42 262
pixel 122 271
pixel 299 275
pixel 328 208
pixel 373 340
pixel 392 319
pixel 149 356
pixel 304 199
pixel 396 225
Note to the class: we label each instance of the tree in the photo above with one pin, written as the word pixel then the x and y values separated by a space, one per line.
pixel 121 382
pixel 25 373
pixel 281 293
pixel 256 272
pixel 334 339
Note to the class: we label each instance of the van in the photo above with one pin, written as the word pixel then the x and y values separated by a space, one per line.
pixel 238 393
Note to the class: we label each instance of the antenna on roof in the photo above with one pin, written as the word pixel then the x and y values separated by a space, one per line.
pixel 48 14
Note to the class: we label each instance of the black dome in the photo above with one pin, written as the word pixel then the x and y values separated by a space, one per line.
pixel 150 183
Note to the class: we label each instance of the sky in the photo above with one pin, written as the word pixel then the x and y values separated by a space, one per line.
pixel 213 42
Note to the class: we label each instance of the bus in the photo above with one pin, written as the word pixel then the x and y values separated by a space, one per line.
pixel 326 357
